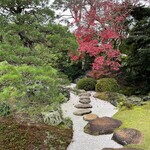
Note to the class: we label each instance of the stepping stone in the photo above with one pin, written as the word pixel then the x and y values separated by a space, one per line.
pixel 84 94
pixel 121 149
pixel 82 91
pixel 82 112
pixel 83 106
pixel 85 101
pixel 84 97
pixel 104 125
pixel 127 136
pixel 90 117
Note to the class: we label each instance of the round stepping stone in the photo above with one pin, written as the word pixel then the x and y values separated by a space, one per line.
pixel 82 112
pixel 84 94
pixel 84 97
pixel 82 91
pixel 89 117
pixel 85 101
pixel 104 125
pixel 127 136
pixel 83 106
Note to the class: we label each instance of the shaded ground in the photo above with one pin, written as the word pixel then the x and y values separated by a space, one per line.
pixel 15 136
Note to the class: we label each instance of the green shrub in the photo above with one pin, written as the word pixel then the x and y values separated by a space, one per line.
pixel 127 90
pixel 34 84
pixel 107 84
pixel 4 109
pixel 86 84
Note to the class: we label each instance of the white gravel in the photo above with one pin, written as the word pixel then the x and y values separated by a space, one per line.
pixel 81 140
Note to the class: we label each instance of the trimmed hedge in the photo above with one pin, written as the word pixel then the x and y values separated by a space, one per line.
pixel 107 84
pixel 86 84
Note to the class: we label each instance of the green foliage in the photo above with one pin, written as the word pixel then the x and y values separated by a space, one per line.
pixel 4 109
pixel 30 36
pixel 137 64
pixel 107 84
pixel 36 84
pixel 127 90
pixel 86 84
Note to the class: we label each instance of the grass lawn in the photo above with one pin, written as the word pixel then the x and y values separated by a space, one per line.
pixel 138 118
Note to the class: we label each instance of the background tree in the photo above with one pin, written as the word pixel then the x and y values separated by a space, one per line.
pixel 137 47
pixel 28 35
pixel 100 30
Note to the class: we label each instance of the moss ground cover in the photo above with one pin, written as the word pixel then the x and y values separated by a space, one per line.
pixel 138 118
pixel 15 136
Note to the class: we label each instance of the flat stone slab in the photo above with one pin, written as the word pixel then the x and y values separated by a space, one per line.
pixel 104 125
pixel 84 106
pixel 90 117
pixel 84 94
pixel 82 112
pixel 84 97
pixel 121 149
pixel 127 136
pixel 85 101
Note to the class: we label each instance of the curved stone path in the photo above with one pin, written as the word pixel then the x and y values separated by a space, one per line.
pixel 81 140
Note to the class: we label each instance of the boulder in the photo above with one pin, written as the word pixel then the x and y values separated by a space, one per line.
pixel 127 136
pixel 135 100
pixel 83 106
pixel 82 112
pixel 85 101
pixel 121 149
pixel 146 98
pixel 104 125
pixel 90 117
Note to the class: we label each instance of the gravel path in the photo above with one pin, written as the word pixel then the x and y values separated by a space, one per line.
pixel 81 140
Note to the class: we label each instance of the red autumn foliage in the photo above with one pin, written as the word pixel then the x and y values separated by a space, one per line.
pixel 100 29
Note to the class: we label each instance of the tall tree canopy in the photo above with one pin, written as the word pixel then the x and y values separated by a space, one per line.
pixel 28 35
pixel 100 30
pixel 138 47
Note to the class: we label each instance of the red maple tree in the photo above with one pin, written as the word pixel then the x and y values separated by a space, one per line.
pixel 100 30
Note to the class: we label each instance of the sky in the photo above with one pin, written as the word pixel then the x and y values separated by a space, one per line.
pixel 59 12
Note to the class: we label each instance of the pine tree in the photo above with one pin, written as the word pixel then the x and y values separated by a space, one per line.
pixel 138 45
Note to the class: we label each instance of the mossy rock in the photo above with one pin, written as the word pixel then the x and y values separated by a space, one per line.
pixel 102 95
pixel 107 84
pixel 86 84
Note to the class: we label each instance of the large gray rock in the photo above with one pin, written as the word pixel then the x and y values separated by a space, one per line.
pixel 84 106
pixel 127 136
pixel 104 125
pixel 135 100
pixel 82 112
pixel 146 98
pixel 85 101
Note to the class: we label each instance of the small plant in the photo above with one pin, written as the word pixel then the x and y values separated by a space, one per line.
pixel 107 84
pixel 4 109
pixel 86 84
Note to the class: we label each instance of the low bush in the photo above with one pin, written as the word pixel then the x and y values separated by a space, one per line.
pixel 24 83
pixel 107 84
pixel 86 84
pixel 127 90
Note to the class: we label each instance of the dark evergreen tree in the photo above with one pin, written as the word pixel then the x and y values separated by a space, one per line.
pixel 138 46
